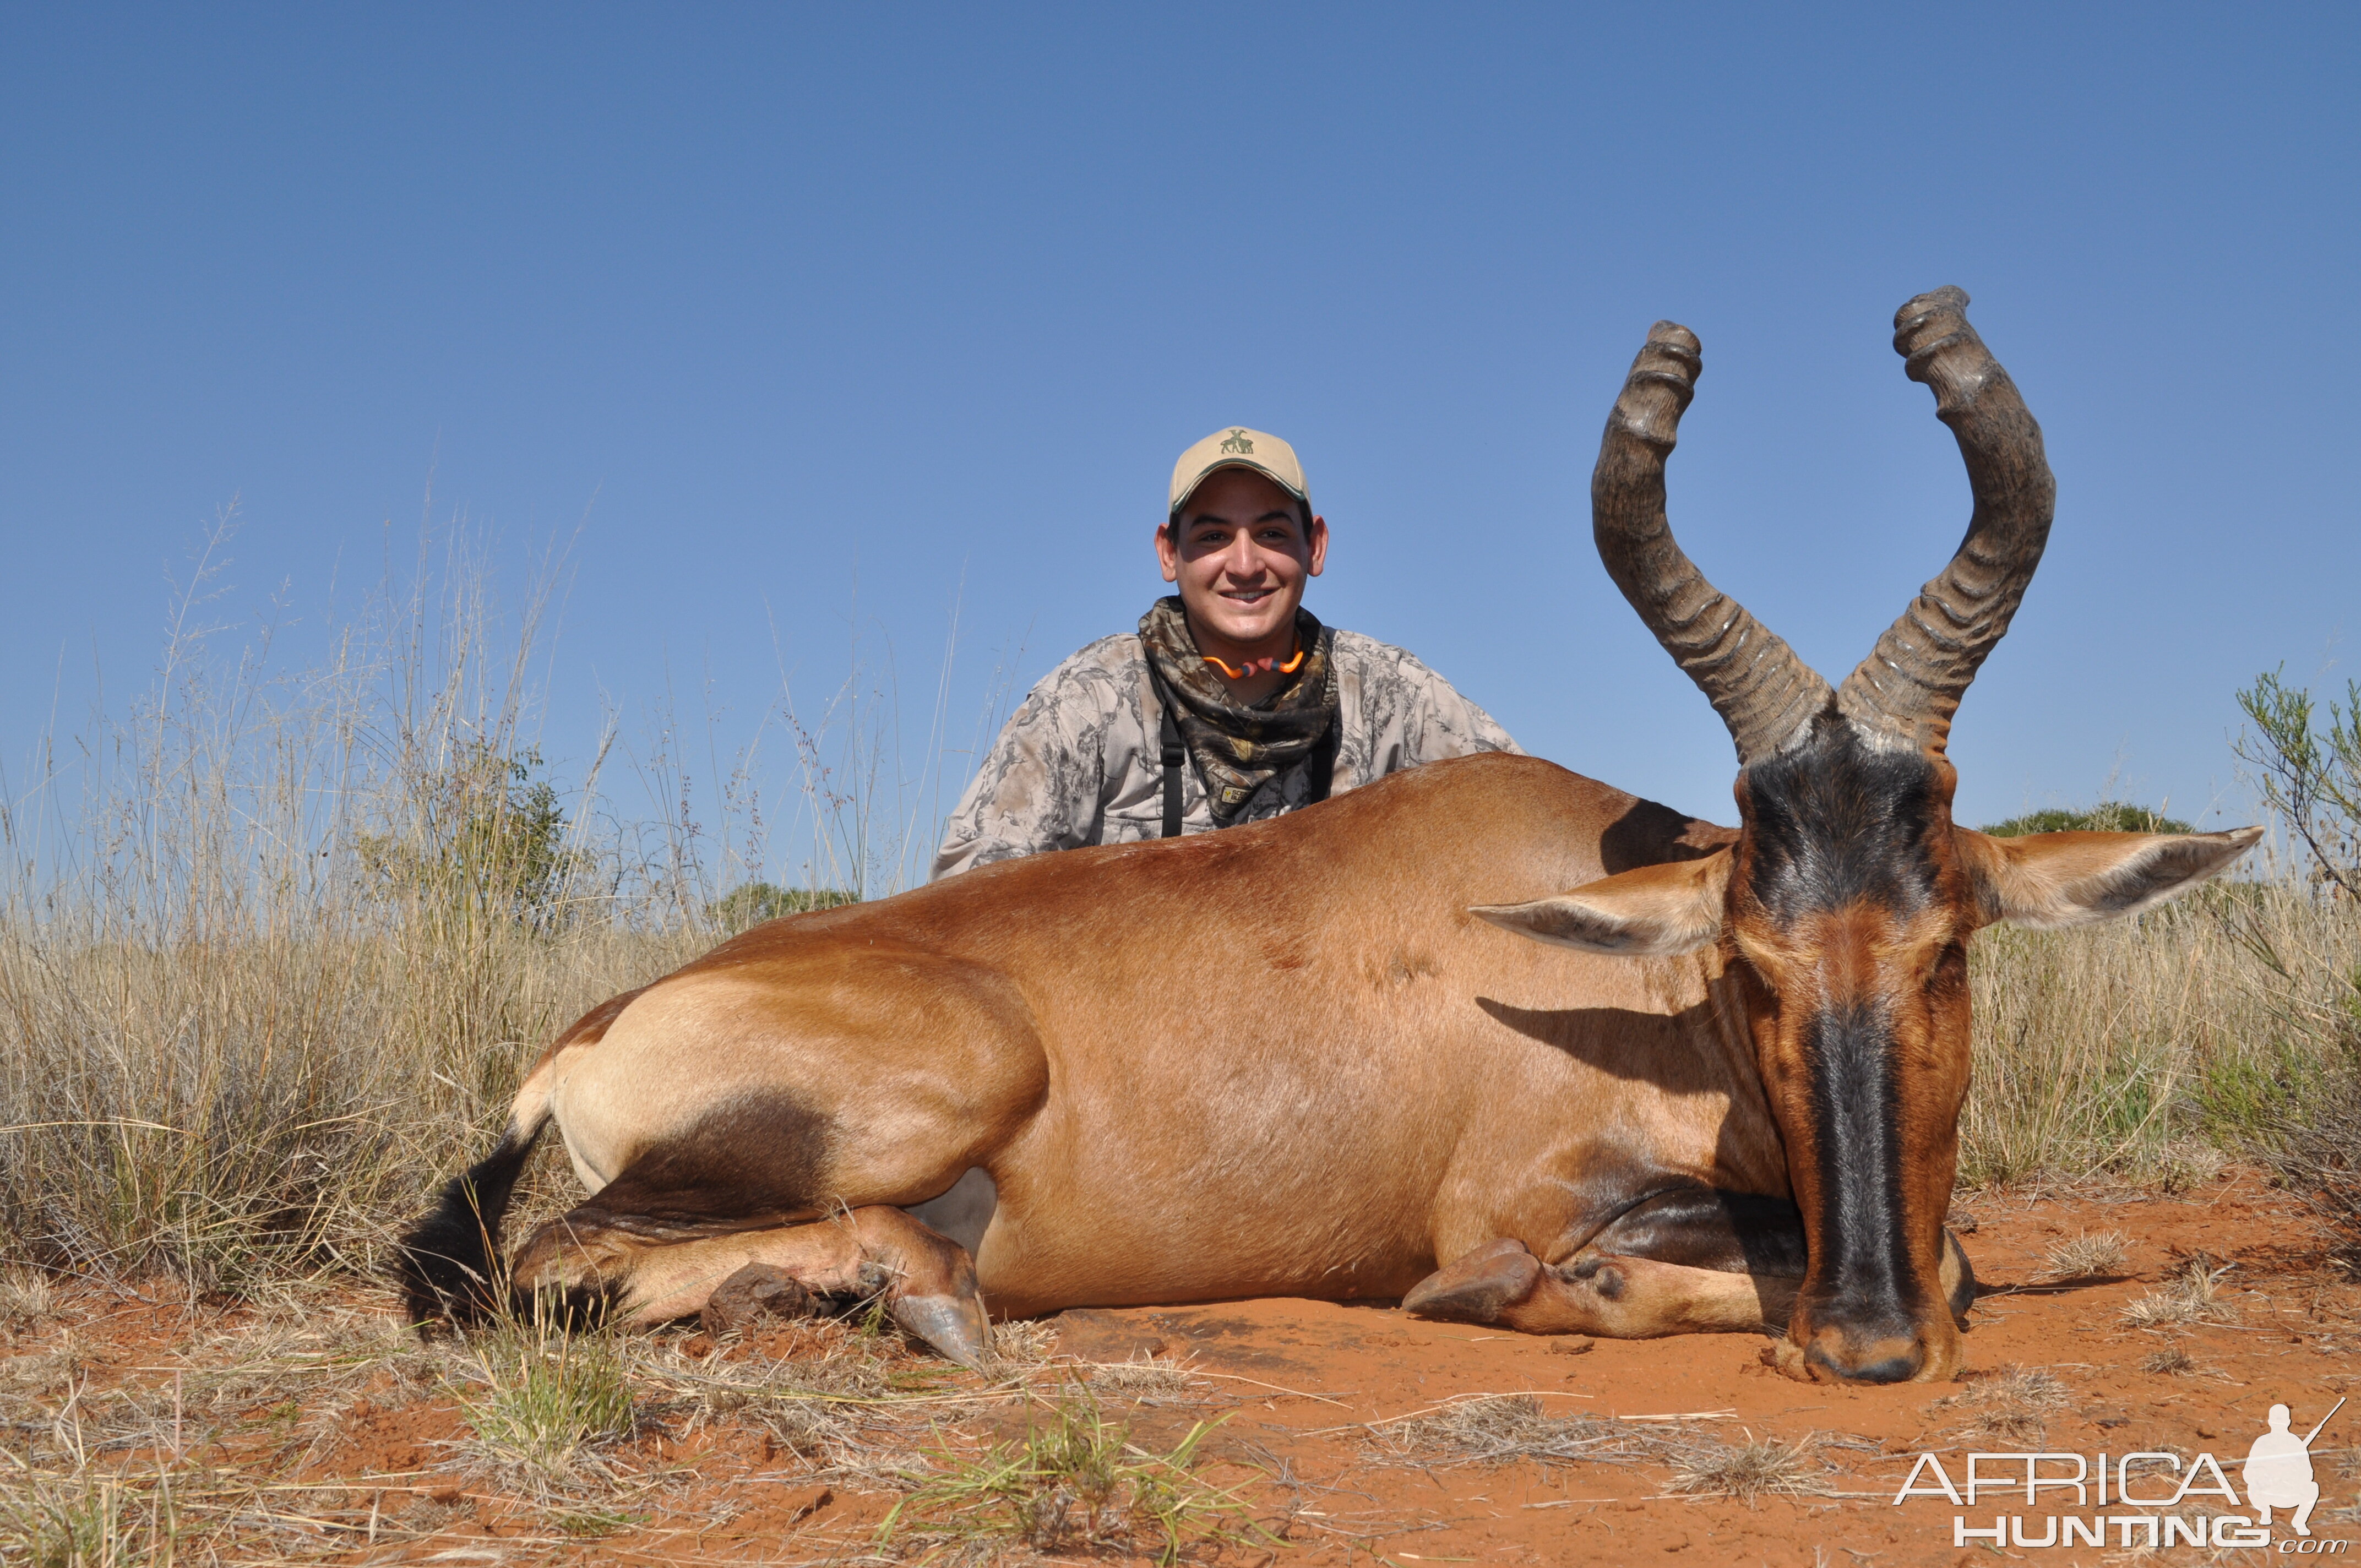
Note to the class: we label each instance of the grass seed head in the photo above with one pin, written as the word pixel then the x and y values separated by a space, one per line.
pixel 2192 1297
pixel 2093 1254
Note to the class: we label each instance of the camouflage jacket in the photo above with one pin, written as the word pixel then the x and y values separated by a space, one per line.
pixel 1080 761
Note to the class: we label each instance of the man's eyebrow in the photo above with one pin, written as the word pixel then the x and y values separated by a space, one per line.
pixel 1281 514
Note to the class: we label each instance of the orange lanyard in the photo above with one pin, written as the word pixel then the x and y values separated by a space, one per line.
pixel 1257 666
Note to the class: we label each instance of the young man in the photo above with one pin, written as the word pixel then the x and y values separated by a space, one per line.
pixel 1231 704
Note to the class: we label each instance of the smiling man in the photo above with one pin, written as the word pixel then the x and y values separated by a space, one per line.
pixel 1231 702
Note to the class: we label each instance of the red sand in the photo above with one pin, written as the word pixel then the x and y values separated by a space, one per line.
pixel 1300 1380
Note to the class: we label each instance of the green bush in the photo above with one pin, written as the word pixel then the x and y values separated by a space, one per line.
pixel 483 841
pixel 755 901
pixel 2107 816
pixel 2310 772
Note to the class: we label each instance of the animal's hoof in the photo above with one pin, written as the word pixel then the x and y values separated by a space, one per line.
pixel 957 1328
pixel 754 1292
pixel 1477 1288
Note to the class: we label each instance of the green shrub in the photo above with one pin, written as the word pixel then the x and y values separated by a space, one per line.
pixel 482 841
pixel 2107 816
pixel 2310 774
pixel 755 901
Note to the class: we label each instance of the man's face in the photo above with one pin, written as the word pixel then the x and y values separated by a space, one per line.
pixel 1241 559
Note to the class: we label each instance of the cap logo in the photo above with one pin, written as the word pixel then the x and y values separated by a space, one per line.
pixel 1238 442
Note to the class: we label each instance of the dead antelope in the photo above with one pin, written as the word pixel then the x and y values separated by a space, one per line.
pixel 1322 1056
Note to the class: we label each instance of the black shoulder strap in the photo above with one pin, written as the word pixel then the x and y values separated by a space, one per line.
pixel 1175 756
pixel 1322 763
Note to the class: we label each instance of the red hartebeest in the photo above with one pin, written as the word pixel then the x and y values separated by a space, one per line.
pixel 1320 1056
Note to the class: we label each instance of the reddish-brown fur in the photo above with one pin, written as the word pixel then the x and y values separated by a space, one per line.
pixel 1719 1087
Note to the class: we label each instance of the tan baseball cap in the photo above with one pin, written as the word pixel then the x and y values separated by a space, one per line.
pixel 1239 447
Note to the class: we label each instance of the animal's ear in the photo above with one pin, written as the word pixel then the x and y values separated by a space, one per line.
pixel 2075 878
pixel 1652 912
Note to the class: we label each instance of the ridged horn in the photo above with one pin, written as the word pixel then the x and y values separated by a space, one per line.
pixel 1764 692
pixel 1911 683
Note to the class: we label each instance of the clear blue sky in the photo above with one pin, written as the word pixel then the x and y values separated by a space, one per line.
pixel 793 298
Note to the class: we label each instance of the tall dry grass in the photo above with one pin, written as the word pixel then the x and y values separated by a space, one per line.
pixel 276 942
pixel 2154 1048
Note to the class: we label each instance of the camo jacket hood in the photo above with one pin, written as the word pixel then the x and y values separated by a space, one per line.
pixel 1079 763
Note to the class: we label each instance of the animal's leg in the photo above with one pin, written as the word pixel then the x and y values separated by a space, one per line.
pixel 1686 1260
pixel 928 1281
pixel 1595 1293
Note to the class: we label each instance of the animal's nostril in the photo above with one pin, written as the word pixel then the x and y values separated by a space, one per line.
pixel 1893 1369
pixel 1885 1358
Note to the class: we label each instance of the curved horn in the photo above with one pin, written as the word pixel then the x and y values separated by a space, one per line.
pixel 1764 692
pixel 1911 682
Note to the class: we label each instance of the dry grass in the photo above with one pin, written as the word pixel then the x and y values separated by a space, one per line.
pixel 2192 1297
pixel 1498 1428
pixel 2173 1361
pixel 1491 1428
pixel 1147 1378
pixel 2145 1049
pixel 1750 1471
pixel 2093 1254
pixel 1495 1428
pixel 2010 1406
pixel 27 1298
pixel 2316 1148
pixel 275 942
pixel 194 1458
pixel 196 1450
pixel 830 1394
pixel 1022 1343
pixel 274 945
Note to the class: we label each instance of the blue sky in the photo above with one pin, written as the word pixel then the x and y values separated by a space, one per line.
pixel 825 318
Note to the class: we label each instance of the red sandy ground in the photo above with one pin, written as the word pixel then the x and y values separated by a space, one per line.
pixel 1302 1380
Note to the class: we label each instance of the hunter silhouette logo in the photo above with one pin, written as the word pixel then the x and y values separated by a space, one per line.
pixel 2278 1471
pixel 2167 1490
pixel 1238 442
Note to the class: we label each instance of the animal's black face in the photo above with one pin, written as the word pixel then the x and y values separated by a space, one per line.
pixel 1849 900
pixel 1836 823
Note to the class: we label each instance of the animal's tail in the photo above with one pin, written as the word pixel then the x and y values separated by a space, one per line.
pixel 449 1265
